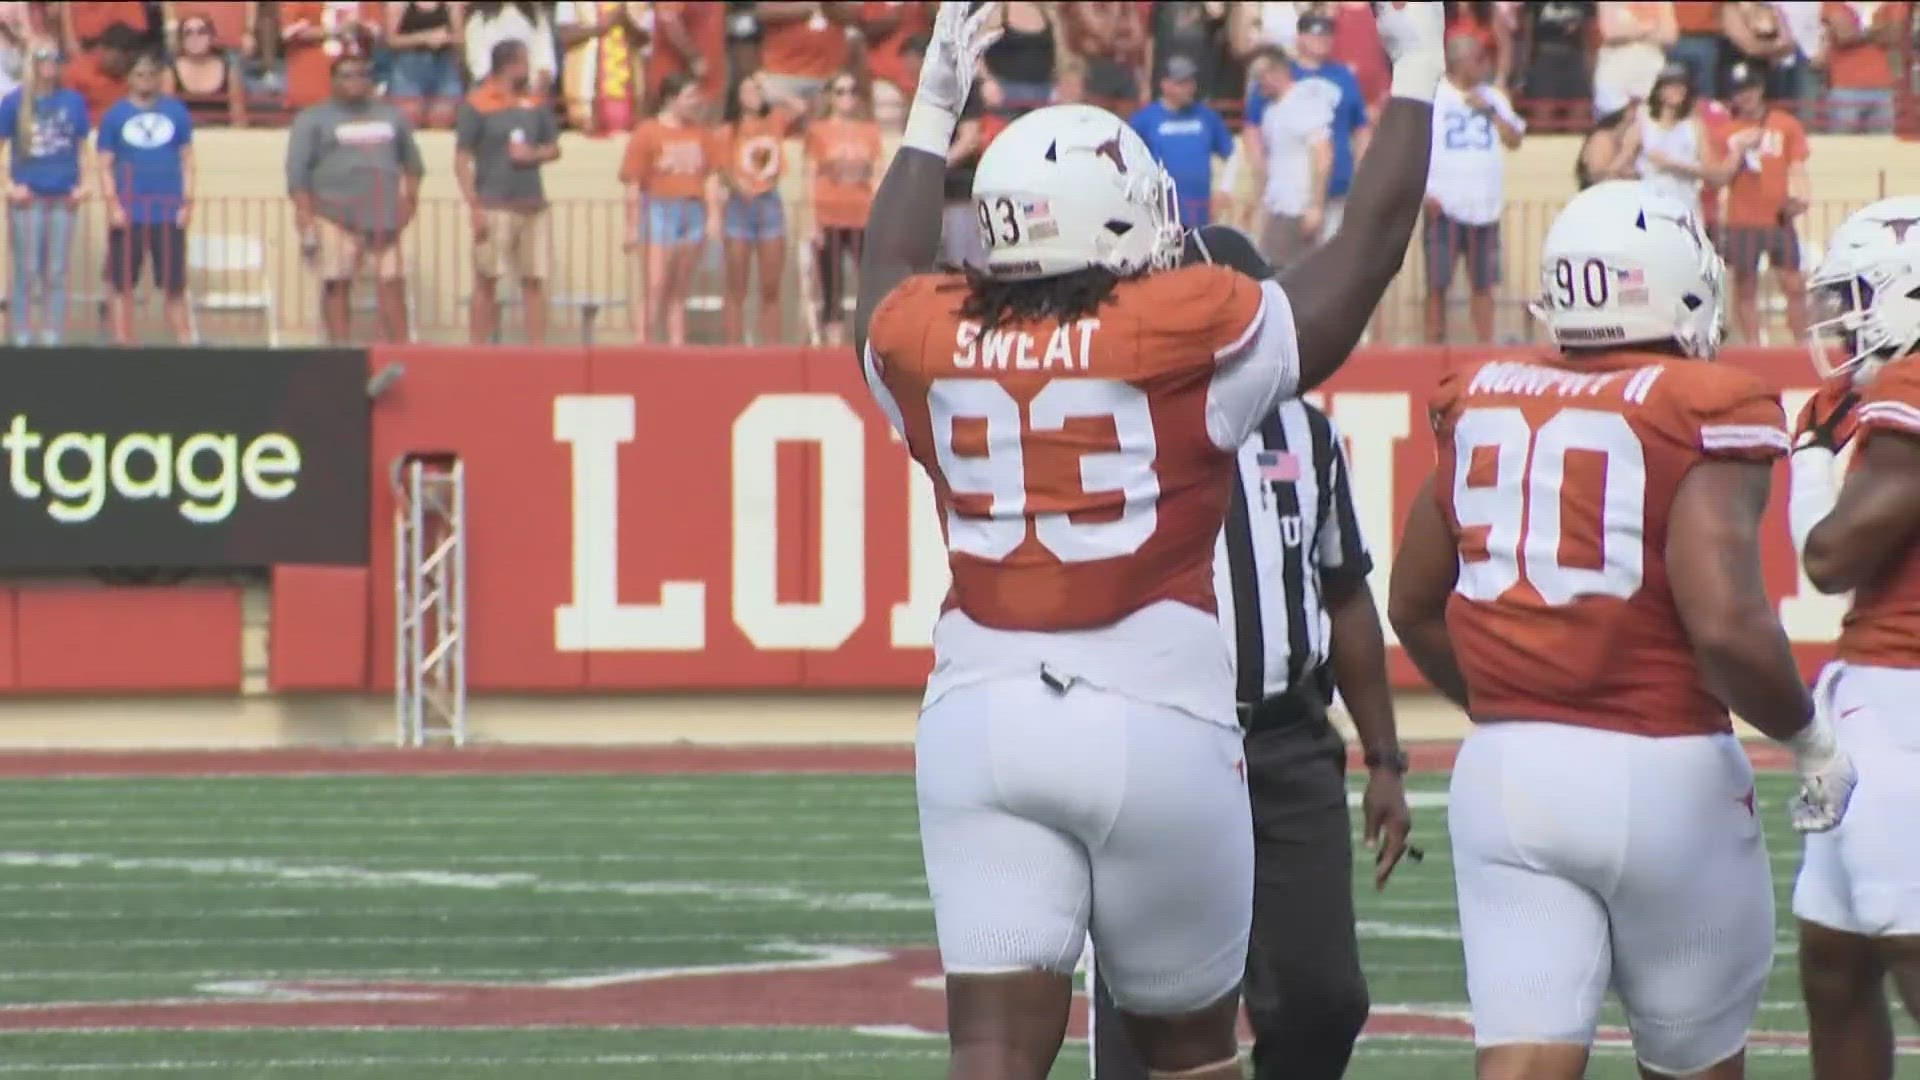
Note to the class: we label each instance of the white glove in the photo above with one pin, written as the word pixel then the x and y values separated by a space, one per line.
pixel 1826 773
pixel 1415 36
pixel 946 75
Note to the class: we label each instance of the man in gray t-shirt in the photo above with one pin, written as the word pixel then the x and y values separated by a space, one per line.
pixel 502 137
pixel 353 171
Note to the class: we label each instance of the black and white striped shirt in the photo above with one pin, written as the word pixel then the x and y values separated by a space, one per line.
pixel 1291 537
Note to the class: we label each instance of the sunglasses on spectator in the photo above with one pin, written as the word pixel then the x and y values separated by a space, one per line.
pixel 849 91
pixel 196 30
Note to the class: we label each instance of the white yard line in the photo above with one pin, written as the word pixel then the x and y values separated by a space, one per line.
pixel 471 1061
pixel 359 876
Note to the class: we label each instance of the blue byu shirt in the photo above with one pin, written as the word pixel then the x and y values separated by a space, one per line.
pixel 1186 142
pixel 47 161
pixel 146 141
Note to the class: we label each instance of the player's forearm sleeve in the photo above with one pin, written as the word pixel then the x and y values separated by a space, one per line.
pixel 1812 496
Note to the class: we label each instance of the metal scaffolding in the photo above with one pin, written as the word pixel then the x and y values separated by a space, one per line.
pixel 430 601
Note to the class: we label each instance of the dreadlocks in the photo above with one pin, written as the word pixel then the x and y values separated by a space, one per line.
pixel 994 303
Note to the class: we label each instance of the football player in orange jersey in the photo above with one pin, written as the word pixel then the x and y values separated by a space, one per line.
pixel 1582 575
pixel 1858 896
pixel 1077 402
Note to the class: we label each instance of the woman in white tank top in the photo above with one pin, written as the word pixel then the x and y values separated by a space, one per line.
pixel 1673 141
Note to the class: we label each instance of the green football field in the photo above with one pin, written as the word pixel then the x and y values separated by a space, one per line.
pixel 726 926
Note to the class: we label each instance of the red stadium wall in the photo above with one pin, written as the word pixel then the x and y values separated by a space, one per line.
pixel 648 519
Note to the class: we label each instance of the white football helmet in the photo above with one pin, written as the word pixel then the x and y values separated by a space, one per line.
pixel 1625 265
pixel 1069 187
pixel 1866 292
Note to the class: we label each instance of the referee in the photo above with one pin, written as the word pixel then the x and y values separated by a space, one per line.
pixel 1290 571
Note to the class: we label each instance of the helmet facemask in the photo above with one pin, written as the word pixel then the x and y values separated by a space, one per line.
pixel 1862 310
pixel 1702 331
pixel 1132 250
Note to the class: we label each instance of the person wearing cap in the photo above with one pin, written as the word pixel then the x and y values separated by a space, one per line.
pixel 43 127
pixel 1185 135
pixel 353 172
pixel 1348 132
pixel 1765 150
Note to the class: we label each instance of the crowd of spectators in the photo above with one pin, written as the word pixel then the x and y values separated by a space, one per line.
pixel 713 97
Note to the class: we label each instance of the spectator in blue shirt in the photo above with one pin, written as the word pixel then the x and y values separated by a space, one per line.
pixel 43 126
pixel 146 165
pixel 1185 135
pixel 1313 59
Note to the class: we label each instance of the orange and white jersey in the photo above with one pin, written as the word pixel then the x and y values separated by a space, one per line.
pixel 1557 476
pixel 1083 472
pixel 1882 628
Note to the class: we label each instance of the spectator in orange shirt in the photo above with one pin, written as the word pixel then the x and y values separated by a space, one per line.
pixel 1699 45
pixel 82 22
pixel 758 123
pixel 689 38
pixel 843 168
pixel 1861 53
pixel 100 73
pixel 670 171
pixel 313 35
pixel 802 45
pixel 888 25
pixel 1768 191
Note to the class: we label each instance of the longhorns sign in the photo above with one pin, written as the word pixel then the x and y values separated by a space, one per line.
pixel 731 519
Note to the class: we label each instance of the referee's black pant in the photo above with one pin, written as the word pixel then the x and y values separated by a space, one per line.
pixel 1306 998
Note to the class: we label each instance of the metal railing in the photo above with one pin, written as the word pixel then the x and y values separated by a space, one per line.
pixel 249 281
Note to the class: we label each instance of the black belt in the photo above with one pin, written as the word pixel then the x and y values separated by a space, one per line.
pixel 1301 706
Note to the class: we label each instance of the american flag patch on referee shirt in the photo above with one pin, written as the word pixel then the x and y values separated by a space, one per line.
pixel 1278 466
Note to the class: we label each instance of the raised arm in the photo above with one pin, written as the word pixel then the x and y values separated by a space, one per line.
pixel 903 227
pixel 1336 287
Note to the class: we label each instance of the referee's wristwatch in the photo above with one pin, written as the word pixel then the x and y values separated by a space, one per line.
pixel 1393 761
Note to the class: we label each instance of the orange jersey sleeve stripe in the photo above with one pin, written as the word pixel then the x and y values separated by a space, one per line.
pixel 1740 436
pixel 1892 414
